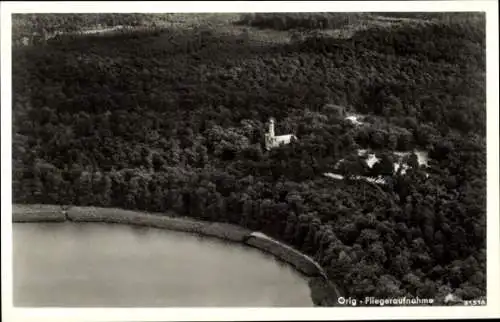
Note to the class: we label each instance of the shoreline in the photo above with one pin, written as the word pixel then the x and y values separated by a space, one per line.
pixel 321 288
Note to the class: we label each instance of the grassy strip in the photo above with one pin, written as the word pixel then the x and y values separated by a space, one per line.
pixel 287 254
pixel 225 231
pixel 37 213
pixel 164 221
pixel 18 208
pixel 42 216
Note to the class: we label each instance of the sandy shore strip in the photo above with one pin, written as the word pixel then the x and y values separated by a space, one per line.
pixel 37 213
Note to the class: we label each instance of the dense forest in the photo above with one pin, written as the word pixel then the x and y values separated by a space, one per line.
pixel 174 120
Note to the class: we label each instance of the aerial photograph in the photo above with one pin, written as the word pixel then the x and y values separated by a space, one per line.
pixel 251 159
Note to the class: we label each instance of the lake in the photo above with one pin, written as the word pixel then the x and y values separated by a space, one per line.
pixel 105 265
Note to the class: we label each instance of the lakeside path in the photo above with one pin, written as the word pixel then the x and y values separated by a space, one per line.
pixel 323 292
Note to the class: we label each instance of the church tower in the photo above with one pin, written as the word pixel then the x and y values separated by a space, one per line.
pixel 269 136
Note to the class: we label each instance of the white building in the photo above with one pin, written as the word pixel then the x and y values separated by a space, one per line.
pixel 273 141
pixel 354 119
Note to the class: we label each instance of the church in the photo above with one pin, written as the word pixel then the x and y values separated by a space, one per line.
pixel 273 141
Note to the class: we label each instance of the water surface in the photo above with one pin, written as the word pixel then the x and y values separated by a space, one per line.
pixel 104 265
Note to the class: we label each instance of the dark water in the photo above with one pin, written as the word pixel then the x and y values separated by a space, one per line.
pixel 102 265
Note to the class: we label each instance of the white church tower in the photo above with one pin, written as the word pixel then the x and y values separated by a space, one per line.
pixel 273 141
